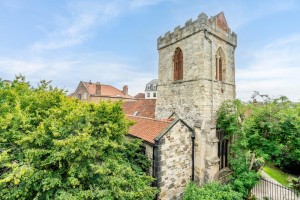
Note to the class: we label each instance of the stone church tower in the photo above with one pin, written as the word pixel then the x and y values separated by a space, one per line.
pixel 196 74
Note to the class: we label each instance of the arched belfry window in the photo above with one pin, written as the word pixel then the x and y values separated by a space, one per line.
pixel 220 65
pixel 178 64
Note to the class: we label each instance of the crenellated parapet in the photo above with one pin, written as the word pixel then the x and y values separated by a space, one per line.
pixel 215 25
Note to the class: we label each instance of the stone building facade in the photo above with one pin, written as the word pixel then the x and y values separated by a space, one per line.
pixel 196 73
pixel 207 45
pixel 169 146
pixel 95 92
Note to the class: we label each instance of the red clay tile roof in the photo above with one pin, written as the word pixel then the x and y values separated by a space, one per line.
pixel 143 107
pixel 146 128
pixel 106 90
pixel 140 96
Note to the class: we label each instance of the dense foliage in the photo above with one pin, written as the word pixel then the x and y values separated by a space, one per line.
pixel 230 117
pixel 54 147
pixel 267 131
pixel 210 191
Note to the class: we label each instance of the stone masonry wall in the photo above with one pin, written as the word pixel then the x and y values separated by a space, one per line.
pixel 96 99
pixel 149 154
pixel 192 98
pixel 81 90
pixel 206 152
pixel 174 162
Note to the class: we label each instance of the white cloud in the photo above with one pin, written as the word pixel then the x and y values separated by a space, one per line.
pixel 78 27
pixel 67 71
pixel 84 17
pixel 274 70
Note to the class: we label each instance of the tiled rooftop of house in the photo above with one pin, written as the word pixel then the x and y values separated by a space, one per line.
pixel 147 128
pixel 140 96
pixel 106 90
pixel 141 107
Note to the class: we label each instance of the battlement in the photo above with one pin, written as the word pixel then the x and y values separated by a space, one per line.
pixel 215 25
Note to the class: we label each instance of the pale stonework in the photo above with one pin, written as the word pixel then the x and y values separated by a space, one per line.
pixel 174 161
pixel 194 99
pixel 196 96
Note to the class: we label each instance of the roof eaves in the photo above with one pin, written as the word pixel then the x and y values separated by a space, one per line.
pixel 133 136
pixel 96 95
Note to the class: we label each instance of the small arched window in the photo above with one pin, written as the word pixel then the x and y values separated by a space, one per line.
pixel 178 64
pixel 220 68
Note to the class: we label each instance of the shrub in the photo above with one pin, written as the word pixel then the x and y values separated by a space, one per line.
pixel 210 191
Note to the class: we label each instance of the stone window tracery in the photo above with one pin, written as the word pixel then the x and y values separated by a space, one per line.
pixel 178 64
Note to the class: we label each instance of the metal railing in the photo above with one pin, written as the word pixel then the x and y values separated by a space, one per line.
pixel 267 190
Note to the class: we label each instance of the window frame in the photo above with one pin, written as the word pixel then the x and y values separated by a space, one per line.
pixel 178 65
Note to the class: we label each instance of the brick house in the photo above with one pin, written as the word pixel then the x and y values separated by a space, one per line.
pixel 94 92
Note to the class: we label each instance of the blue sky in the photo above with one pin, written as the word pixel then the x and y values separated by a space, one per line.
pixel 114 42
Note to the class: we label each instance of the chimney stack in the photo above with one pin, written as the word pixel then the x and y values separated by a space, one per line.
pixel 125 90
pixel 98 88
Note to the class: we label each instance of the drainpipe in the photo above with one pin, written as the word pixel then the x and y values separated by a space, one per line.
pixel 193 156
pixel 153 162
pixel 212 75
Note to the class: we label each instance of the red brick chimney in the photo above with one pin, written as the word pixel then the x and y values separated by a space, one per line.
pixel 125 90
pixel 98 88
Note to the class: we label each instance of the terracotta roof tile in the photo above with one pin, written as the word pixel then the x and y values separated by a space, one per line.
pixel 147 128
pixel 106 90
pixel 140 107
pixel 140 96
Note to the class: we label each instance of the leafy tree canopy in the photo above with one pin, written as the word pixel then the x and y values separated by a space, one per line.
pixel 269 131
pixel 54 147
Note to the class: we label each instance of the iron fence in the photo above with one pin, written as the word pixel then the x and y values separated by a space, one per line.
pixel 267 190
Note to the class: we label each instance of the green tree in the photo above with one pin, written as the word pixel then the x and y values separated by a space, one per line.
pixel 54 147
pixel 273 131
pixel 231 116
pixel 268 131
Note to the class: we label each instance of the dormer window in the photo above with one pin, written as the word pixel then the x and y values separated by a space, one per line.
pixel 148 87
pixel 154 87
pixel 178 64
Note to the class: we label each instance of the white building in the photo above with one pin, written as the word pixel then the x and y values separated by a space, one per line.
pixel 151 89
